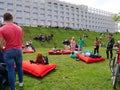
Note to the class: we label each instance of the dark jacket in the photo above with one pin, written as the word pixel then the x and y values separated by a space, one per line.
pixel 111 42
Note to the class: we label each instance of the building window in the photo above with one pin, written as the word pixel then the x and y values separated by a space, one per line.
pixel 10 5
pixel 49 23
pixel 27 8
pixel 42 22
pixel 35 21
pixel 19 1
pixel 1 10
pixel 49 11
pixel 77 10
pixel 67 18
pixel 56 23
pixel 61 18
pixel 72 9
pixel 27 21
pixel 67 13
pixel 10 1
pixel 56 12
pixel 18 12
pixel 18 6
pixel 72 14
pixel 77 25
pixel 67 9
pixel 35 9
pixel 73 24
pixel 67 24
pixel 49 16
pixel 35 4
pixel 35 15
pixel 72 19
pixel 56 17
pixel 42 15
pixel 55 6
pixel 61 13
pixel 61 24
pixel 27 3
pixel 42 10
pixel 42 1
pixel 77 20
pixel 61 7
pixel 10 10
pixel 19 19
pixel 77 15
pixel 42 5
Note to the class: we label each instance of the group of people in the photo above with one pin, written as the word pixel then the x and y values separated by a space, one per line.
pixel 44 37
pixel 12 36
pixel 28 46
pixel 109 48
pixel 73 44
pixel 97 43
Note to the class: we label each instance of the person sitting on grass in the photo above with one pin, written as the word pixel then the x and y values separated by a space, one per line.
pixel 40 59
pixel 73 55
pixel 55 49
pixel 66 47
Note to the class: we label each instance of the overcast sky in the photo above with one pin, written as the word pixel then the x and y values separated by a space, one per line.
pixel 107 5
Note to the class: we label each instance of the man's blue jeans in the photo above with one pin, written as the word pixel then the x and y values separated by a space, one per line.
pixel 10 57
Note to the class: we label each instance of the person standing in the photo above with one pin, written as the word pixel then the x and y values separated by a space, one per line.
pixel 72 44
pixel 110 44
pixel 12 35
pixel 96 47
pixel 80 44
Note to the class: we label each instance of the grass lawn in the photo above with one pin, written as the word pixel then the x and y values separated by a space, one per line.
pixel 69 74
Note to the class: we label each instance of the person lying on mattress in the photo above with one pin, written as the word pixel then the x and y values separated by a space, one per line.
pixel 66 47
pixel 73 55
pixel 40 59
pixel 55 49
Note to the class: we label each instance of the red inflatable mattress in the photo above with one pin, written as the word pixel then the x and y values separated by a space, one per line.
pixel 38 70
pixel 88 59
pixel 28 51
pixel 52 52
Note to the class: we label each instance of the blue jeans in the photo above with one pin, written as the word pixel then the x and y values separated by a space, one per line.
pixel 10 57
pixel 79 48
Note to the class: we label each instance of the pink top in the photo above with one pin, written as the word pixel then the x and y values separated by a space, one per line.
pixel 12 35
pixel 72 43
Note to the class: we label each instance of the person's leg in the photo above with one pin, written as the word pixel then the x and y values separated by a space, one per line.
pixel 78 48
pixel 111 54
pixel 9 60
pixel 97 49
pixel 18 61
pixel 94 50
pixel 107 53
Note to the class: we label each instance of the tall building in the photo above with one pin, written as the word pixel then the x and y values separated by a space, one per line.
pixel 58 14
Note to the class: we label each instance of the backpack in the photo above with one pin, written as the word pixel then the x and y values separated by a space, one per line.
pixel 3 74
pixel 46 59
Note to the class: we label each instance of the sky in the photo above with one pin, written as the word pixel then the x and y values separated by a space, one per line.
pixel 106 5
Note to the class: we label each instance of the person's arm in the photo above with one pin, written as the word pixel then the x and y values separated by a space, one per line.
pixel 1 43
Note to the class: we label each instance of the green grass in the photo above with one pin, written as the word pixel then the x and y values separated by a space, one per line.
pixel 69 74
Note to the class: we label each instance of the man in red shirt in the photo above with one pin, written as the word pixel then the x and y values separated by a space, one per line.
pixel 12 35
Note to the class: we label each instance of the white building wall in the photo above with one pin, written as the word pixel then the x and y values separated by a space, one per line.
pixel 56 13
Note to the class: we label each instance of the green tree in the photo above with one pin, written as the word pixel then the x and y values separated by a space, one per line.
pixel 116 17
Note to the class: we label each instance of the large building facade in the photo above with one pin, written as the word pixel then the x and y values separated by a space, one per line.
pixel 58 14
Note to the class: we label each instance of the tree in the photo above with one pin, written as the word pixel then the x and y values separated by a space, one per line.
pixel 116 18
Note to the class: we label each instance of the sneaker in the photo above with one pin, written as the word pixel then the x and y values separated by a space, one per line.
pixel 21 84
